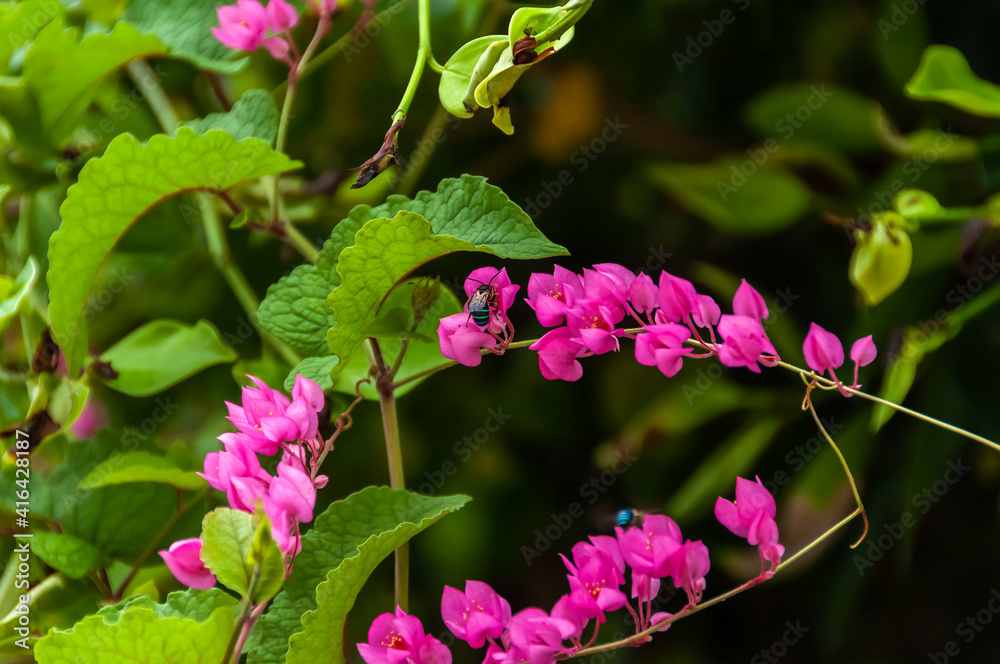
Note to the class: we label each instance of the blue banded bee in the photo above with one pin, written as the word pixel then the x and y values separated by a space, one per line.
pixel 627 518
pixel 483 302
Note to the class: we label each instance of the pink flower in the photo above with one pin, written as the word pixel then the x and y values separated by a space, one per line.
pixel 399 638
pixel 538 636
pixel 692 566
pixel 461 339
pixel 566 609
pixel 242 25
pixel 183 559
pixel 557 353
pixel 748 302
pixel 706 312
pixel 822 349
pixel 643 294
pixel 593 325
pixel 475 615
pixel 280 15
pixel 678 298
pixel 609 283
pixel 662 346
pixel 594 582
pixel 863 353
pixel 293 490
pixel 268 419
pixel 506 292
pixel 237 471
pixel 744 343
pixel 552 295
pixel 91 419
pixel 649 549
pixel 751 516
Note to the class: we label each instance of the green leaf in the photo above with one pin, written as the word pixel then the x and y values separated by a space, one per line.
pixel 70 555
pixel 734 197
pixel 142 175
pixel 20 21
pixel 18 292
pixel 384 252
pixel 118 520
pixel 162 353
pixel 139 635
pixel 465 70
pixel 133 467
pixel 422 354
pixel 364 528
pixel 817 112
pixel 254 115
pixel 944 75
pixel 227 539
pixel 295 308
pixel 881 259
pixel 64 72
pixel 185 26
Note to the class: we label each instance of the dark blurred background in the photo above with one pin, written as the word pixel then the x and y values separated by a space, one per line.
pixel 906 590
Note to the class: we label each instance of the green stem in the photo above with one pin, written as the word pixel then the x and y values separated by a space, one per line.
pixel 643 636
pixel 843 462
pixel 423 55
pixel 218 247
pixel 235 646
pixel 954 215
pixel 145 79
pixel 394 452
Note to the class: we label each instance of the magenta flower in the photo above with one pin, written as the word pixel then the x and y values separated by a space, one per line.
pixel 506 292
pixel 280 15
pixel 552 295
pixel 183 559
pixel 744 343
pixel 863 353
pixel 662 346
pixel 678 298
pixel 692 566
pixel 748 302
pixel 823 350
pixel 461 339
pixel 566 609
pixel 268 419
pixel 609 283
pixel 594 581
pixel 293 490
pixel 237 471
pixel 593 325
pixel 536 636
pixel 751 516
pixel 242 26
pixel 706 312
pixel 475 615
pixel 644 586
pixel 399 638
pixel 649 549
pixel 557 353
pixel 643 294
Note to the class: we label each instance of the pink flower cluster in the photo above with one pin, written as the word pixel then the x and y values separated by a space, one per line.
pixel 671 322
pixel 652 551
pixel 245 26
pixel 824 352
pixel 268 421
pixel 460 338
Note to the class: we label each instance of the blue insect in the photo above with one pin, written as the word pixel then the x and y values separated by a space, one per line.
pixel 483 301
pixel 627 518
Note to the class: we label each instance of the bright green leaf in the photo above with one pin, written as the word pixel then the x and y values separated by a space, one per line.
pixel 944 145
pixel 465 70
pixel 133 467
pixel 364 528
pixel 17 294
pixel 20 21
pixel 140 636
pixel 227 538
pixel 881 259
pixel 767 199
pixel 70 555
pixel 468 207
pixel 184 25
pixel 162 353
pixel 944 75
pixel 63 71
pixel 254 115
pixel 142 175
